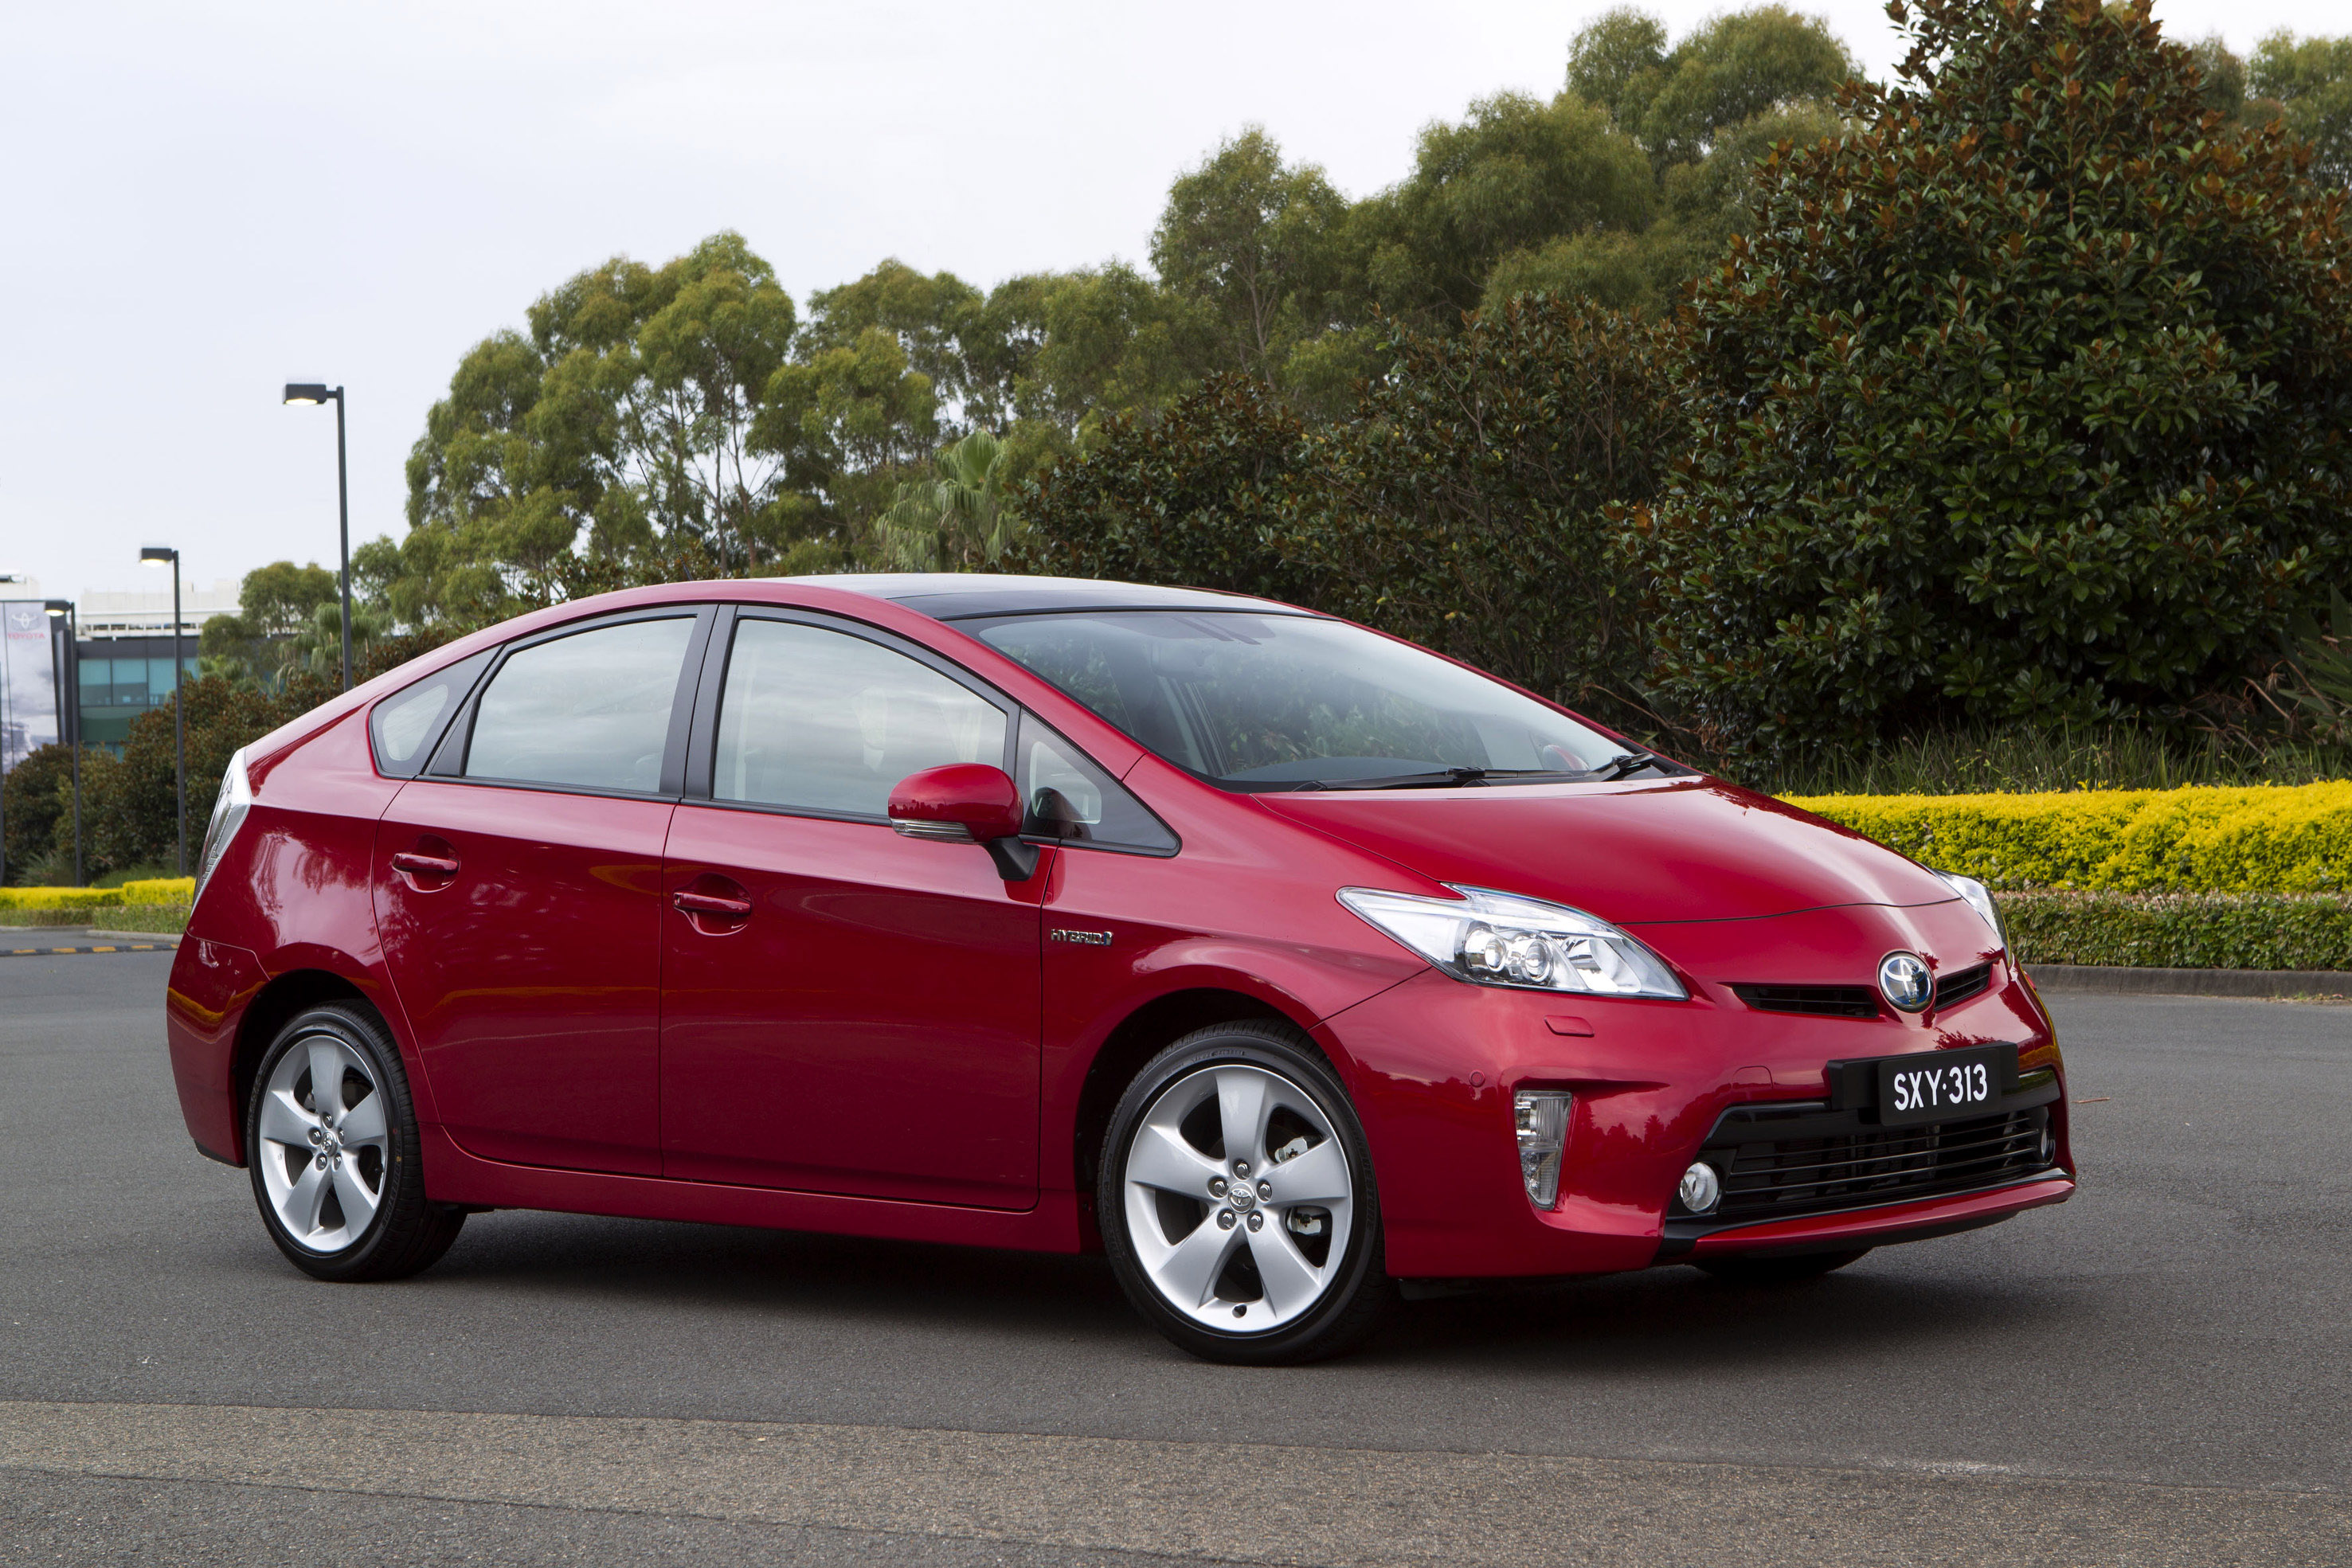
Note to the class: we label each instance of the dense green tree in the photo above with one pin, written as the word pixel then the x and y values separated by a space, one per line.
pixel 274 604
pixel 1739 66
pixel 1468 504
pixel 2310 81
pixel 1257 244
pixel 1514 175
pixel 1613 51
pixel 626 417
pixel 847 422
pixel 2025 400
pixel 1191 497
pixel 2224 74
pixel 939 320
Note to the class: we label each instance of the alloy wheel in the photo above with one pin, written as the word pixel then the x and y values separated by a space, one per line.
pixel 323 1143
pixel 1239 1198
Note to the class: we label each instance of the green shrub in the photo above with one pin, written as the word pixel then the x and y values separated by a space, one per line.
pixel 2027 760
pixel 2260 840
pixel 2025 399
pixel 2181 931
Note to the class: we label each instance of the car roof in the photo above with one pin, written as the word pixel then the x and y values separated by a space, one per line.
pixel 964 596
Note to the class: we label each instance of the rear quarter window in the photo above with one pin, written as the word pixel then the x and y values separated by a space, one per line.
pixel 403 727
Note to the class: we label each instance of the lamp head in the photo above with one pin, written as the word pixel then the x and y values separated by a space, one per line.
pixel 308 393
pixel 57 606
pixel 158 555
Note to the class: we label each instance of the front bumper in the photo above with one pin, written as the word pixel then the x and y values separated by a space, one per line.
pixel 1882 1225
pixel 1432 1063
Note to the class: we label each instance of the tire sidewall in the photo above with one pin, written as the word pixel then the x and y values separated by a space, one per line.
pixel 353 1028
pixel 1339 1317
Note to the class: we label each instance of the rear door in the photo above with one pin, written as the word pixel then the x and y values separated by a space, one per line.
pixel 517 888
pixel 846 1010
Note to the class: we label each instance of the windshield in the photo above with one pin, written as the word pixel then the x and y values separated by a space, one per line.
pixel 1259 701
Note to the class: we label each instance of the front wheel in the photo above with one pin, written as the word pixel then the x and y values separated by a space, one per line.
pixel 1236 1199
pixel 331 1142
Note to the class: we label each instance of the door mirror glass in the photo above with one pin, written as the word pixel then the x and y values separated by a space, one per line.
pixel 824 721
pixel 591 710
pixel 1068 798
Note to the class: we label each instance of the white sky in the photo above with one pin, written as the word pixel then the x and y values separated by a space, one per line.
pixel 199 204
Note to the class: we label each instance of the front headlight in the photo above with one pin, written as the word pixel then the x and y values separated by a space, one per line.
pixel 1495 939
pixel 1979 899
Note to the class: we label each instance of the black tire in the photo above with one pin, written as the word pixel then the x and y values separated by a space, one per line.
pixel 406 1232
pixel 1788 1269
pixel 1358 1292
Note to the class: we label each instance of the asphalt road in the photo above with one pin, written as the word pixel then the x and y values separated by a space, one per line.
pixel 2158 1372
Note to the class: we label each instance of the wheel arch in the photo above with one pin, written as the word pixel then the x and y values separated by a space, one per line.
pixel 1142 1034
pixel 281 1000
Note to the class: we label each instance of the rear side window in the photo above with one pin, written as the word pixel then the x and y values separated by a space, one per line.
pixel 403 727
pixel 591 710
pixel 823 721
pixel 1070 798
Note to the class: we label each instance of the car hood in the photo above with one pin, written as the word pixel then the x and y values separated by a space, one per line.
pixel 1635 854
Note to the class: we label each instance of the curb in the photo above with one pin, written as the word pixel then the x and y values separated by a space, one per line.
pixel 75 932
pixel 2120 981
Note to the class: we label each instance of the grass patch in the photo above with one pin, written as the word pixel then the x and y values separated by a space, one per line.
pixel 167 919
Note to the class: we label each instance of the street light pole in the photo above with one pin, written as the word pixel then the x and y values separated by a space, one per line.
pixel 312 393
pixel 68 708
pixel 156 555
pixel 4 577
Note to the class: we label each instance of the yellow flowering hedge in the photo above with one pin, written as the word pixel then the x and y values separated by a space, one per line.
pixel 156 889
pixel 59 898
pixel 2295 839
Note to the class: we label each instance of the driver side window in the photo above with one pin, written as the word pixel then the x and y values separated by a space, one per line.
pixel 824 721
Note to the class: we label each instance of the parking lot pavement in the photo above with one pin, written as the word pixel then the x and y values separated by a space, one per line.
pixel 2157 1372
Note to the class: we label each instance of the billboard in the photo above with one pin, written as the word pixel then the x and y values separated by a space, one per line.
pixel 28 681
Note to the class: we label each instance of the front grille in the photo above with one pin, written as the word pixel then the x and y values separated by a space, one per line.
pixel 1854 1001
pixel 1783 1162
pixel 1961 984
pixel 1819 1002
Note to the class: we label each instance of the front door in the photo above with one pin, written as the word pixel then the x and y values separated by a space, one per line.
pixel 844 1010
pixel 517 889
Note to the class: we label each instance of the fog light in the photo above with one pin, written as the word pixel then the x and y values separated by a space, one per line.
pixel 1540 1117
pixel 1701 1187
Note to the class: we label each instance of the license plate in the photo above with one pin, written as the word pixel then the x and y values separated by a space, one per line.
pixel 1940 1085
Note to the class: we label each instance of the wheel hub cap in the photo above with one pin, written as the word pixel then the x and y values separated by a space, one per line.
pixel 322 1144
pixel 1238 1197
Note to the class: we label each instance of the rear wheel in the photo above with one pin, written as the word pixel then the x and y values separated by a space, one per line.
pixel 1781 1270
pixel 331 1145
pixel 1236 1199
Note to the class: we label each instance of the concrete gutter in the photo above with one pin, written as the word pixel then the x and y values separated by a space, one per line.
pixel 2119 981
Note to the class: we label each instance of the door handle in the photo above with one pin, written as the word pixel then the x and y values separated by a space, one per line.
pixel 415 864
pixel 712 903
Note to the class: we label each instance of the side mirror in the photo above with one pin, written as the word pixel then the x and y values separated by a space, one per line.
pixel 962 803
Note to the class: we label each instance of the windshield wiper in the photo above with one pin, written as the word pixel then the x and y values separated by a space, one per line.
pixel 1437 779
pixel 1625 764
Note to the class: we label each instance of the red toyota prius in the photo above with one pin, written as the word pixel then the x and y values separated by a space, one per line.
pixel 1282 960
